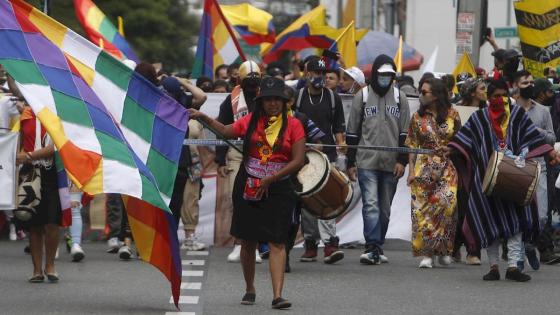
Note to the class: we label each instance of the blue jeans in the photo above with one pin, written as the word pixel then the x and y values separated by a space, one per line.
pixel 378 189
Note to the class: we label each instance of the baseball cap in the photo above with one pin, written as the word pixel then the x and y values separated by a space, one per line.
pixel 386 68
pixel 317 65
pixel 356 74
pixel 499 54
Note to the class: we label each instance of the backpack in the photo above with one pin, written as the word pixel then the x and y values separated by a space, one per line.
pixel 300 94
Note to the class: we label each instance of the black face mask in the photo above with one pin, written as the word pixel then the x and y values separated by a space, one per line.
pixel 251 83
pixel 549 102
pixel 526 92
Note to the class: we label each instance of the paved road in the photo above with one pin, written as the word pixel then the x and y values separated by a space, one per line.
pixel 103 285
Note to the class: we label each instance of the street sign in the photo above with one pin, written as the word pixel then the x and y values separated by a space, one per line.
pixel 505 32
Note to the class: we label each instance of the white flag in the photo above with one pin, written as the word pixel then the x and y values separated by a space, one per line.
pixel 8 181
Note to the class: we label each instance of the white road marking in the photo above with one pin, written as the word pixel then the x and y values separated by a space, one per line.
pixel 186 299
pixel 193 262
pixel 191 285
pixel 193 273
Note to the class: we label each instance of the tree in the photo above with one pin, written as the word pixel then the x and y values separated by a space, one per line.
pixel 158 31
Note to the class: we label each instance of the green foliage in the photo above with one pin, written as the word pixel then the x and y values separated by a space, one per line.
pixel 158 31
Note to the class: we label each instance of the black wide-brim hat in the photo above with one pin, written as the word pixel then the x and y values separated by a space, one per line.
pixel 271 86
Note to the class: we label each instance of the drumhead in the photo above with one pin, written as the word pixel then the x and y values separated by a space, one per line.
pixel 491 172
pixel 313 174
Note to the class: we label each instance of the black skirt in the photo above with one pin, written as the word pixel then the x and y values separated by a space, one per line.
pixel 49 210
pixel 267 220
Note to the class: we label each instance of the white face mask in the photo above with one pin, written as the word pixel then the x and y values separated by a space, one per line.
pixel 384 81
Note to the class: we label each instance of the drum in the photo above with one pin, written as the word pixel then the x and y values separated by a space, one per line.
pixel 506 180
pixel 326 192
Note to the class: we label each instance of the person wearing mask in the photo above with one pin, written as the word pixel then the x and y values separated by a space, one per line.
pixel 500 126
pixel 233 74
pixel 379 116
pixel 238 104
pixel 353 80
pixel 332 80
pixel 540 116
pixel 263 198
pixel 324 108
pixel 312 135
pixel 433 178
pixel 186 190
pixel 275 69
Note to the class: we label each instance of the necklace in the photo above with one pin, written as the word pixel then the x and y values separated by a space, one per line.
pixel 311 101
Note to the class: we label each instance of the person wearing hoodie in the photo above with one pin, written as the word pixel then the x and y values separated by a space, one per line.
pixel 379 116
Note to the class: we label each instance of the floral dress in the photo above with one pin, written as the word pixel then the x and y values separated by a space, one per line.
pixel 434 190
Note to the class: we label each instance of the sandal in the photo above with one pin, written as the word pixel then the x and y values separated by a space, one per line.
pixel 281 303
pixel 248 299
pixel 37 279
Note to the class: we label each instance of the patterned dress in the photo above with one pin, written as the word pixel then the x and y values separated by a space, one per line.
pixel 434 190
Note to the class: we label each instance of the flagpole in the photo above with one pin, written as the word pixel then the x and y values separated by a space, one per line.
pixel 340 36
pixel 230 30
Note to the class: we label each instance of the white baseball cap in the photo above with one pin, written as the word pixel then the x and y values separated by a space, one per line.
pixel 386 68
pixel 356 74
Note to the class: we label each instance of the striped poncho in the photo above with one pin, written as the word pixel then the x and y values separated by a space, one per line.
pixel 490 218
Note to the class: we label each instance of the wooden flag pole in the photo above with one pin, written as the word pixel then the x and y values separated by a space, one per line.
pixel 340 36
pixel 230 30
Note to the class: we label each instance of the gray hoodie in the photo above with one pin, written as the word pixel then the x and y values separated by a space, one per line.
pixel 378 122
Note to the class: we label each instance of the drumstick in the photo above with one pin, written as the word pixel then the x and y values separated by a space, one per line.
pixel 217 142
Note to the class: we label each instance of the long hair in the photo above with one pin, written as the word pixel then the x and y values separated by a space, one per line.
pixel 256 116
pixel 442 102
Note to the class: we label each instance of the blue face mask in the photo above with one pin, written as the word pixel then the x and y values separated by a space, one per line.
pixel 384 81
pixel 318 82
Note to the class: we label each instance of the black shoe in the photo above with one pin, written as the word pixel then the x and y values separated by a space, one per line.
pixel 533 259
pixel 493 275
pixel 281 303
pixel 248 299
pixel 27 249
pixel 516 275
pixel 550 258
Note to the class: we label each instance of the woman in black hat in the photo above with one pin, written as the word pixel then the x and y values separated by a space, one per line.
pixel 263 196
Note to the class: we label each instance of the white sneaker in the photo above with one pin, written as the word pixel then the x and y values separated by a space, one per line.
pixel 113 245
pixel 383 259
pixel 192 243
pixel 444 260
pixel 426 262
pixel 13 234
pixel 77 253
pixel 235 255
pixel 258 258
pixel 125 253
